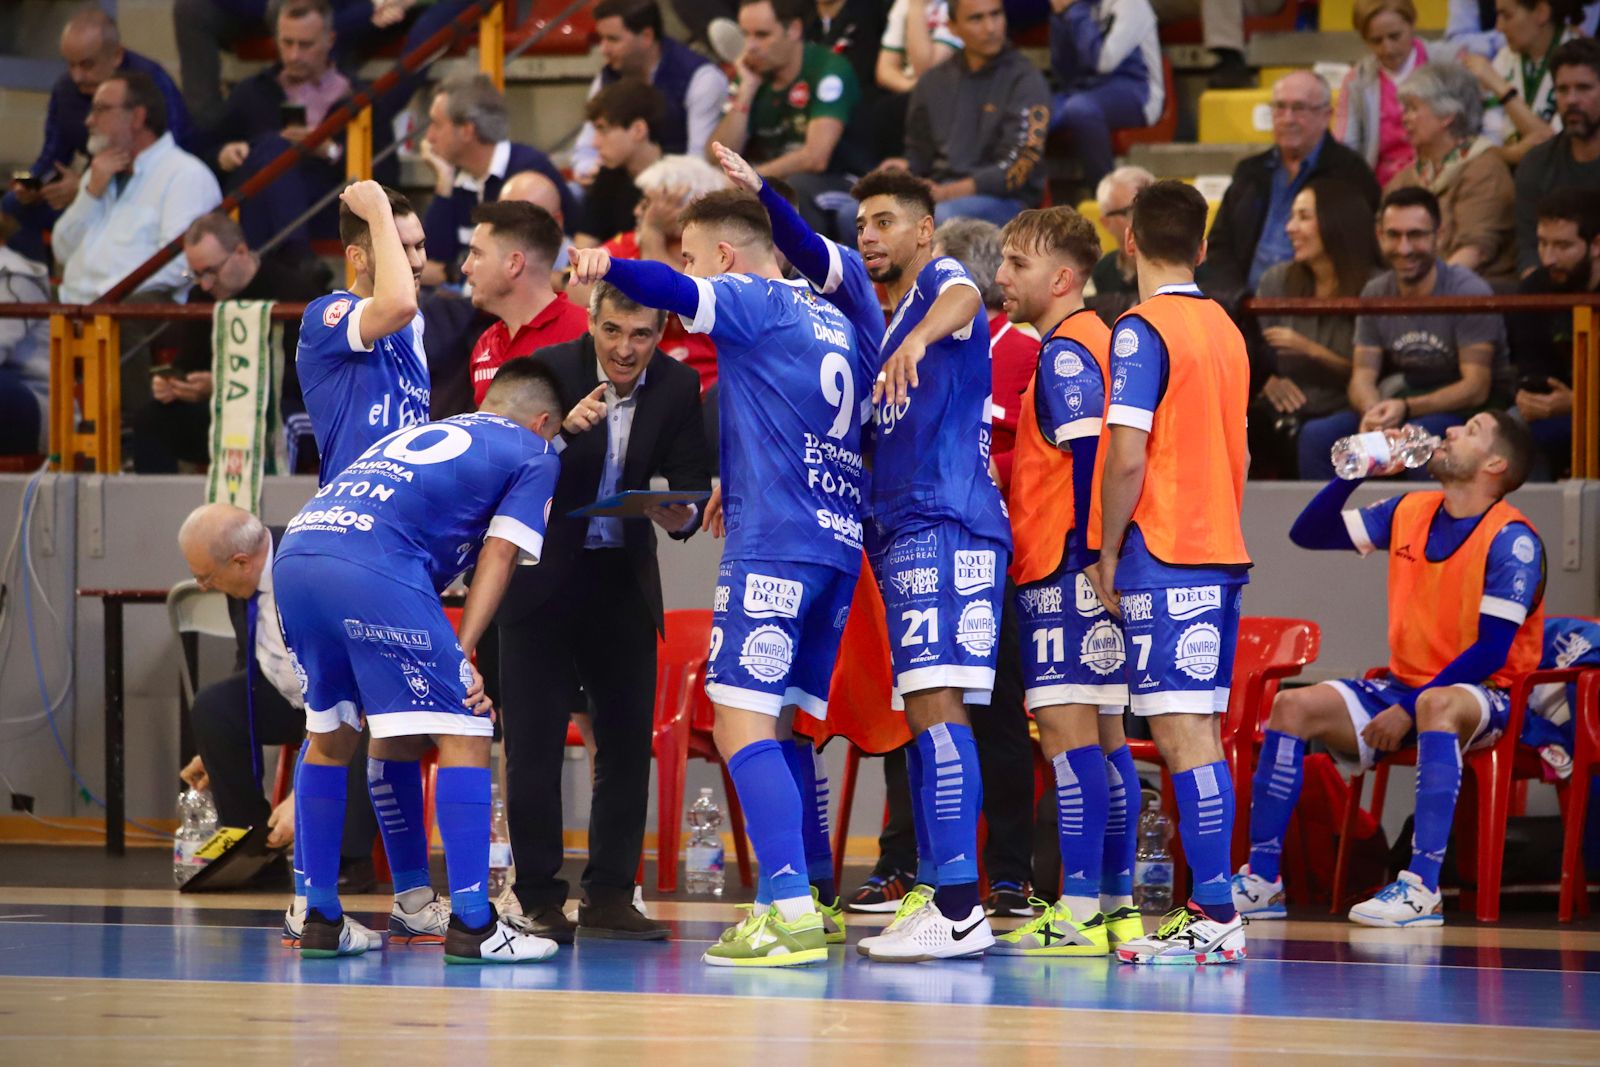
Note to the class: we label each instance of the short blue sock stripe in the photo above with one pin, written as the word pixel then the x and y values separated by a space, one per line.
pixel 1205 821
pixel 1082 800
pixel 463 814
pixel 1122 824
pixel 395 787
pixel 927 870
pixel 1276 787
pixel 773 816
pixel 320 805
pixel 1438 786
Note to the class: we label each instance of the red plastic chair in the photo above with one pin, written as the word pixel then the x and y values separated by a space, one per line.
pixel 1492 769
pixel 1585 764
pixel 1163 129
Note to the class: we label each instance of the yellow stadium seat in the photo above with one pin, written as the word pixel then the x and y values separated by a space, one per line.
pixel 1235 116
pixel 1090 209
pixel 1336 15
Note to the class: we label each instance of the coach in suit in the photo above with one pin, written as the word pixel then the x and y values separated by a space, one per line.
pixel 584 621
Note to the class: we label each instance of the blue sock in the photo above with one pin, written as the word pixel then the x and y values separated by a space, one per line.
pixel 811 781
pixel 763 886
pixel 396 790
pixel 1081 801
pixel 462 810
pixel 1438 783
pixel 319 809
pixel 772 815
pixel 1275 790
pixel 1205 821
pixel 299 833
pixel 1122 825
pixel 952 779
pixel 927 870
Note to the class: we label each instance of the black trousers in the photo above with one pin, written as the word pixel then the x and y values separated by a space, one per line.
pixel 594 636
pixel 221 722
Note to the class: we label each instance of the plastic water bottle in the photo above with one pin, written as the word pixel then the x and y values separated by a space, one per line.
pixel 1152 867
pixel 197 821
pixel 703 864
pixel 1382 452
pixel 499 843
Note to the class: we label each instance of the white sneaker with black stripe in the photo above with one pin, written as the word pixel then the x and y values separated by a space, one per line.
pixel 928 935
pixel 505 940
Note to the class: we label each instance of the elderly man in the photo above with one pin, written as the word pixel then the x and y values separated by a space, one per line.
pixel 1248 235
pixel 1113 287
pixel 92 49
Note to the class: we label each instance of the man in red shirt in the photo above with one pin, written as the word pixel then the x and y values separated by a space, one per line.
pixel 509 262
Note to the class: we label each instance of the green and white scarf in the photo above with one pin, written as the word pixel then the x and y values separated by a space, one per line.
pixel 245 368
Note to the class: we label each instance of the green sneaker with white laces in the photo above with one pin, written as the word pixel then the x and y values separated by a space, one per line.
pixel 765 940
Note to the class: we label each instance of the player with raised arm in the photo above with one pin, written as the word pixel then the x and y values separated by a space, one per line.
pixel 1072 649
pixel 790 499
pixel 358 578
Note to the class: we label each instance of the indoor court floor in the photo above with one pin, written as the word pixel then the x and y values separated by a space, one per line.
pixel 90 976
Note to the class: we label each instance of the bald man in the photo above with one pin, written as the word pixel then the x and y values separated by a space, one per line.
pixel 92 49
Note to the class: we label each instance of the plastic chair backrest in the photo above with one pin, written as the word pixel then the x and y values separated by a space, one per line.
pixel 192 610
pixel 680 668
pixel 1273 646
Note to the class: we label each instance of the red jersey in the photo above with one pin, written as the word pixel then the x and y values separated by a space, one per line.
pixel 1013 355
pixel 560 321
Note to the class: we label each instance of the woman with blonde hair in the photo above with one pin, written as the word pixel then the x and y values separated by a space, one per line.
pixel 1367 115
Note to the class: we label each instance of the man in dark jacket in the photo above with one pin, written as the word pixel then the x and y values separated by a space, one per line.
pixel 1248 234
pixel 588 615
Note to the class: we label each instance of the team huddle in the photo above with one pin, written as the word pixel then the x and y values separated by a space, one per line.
pixel 1123 555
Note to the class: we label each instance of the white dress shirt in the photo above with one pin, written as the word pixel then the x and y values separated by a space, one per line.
pixel 272 654
pixel 606 531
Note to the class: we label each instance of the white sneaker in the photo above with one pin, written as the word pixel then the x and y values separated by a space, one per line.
pixel 294 919
pixel 507 903
pixel 425 926
pixel 321 939
pixel 1403 902
pixel 1187 937
pixel 928 935
pixel 506 940
pixel 1256 898
pixel 638 901
pixel 921 896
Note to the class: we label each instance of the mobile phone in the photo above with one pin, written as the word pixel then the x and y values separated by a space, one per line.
pixel 165 370
pixel 27 180
pixel 1534 383
pixel 291 115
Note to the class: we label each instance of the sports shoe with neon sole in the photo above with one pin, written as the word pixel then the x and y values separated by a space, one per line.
pixel 1187 937
pixel 294 918
pixel 930 935
pixel 921 896
pixel 765 940
pixel 1403 902
pixel 508 939
pixel 322 938
pixel 1124 924
pixel 832 917
pixel 1256 898
pixel 428 925
pixel 1055 932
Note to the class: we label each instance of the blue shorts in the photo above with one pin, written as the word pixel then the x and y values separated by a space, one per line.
pixel 1364 698
pixel 1180 648
pixel 775 635
pixel 365 644
pixel 941 590
pixel 1072 649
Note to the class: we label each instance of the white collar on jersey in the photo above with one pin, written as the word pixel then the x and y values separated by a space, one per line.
pixel 1189 288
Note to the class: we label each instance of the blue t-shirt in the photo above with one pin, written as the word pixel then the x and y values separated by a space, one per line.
pixel 1138 385
pixel 930 453
pixel 355 394
pixel 1069 400
pixel 789 399
pixel 417 505
pixel 1567 643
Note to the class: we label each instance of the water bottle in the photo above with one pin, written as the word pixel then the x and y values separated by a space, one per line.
pixel 1152 868
pixel 1382 452
pixel 197 821
pixel 499 843
pixel 703 864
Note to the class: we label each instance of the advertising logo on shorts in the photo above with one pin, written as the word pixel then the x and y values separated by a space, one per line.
pixel 416 680
pixel 766 597
pixel 915 581
pixel 1084 596
pixel 1102 650
pixel 976 630
pixel 299 674
pixel 1040 602
pixel 974 571
pixel 767 653
pixel 1136 607
pixel 1199 652
pixel 1190 601
pixel 719 599
pixel 465 670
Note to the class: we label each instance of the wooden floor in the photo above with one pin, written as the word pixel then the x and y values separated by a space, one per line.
pixel 144 976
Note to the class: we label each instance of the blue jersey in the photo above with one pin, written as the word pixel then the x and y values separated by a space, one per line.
pixel 930 454
pixel 355 394
pixel 788 398
pixel 1069 399
pixel 1568 642
pixel 417 505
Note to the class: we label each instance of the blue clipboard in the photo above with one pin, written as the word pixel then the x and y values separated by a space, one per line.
pixel 631 504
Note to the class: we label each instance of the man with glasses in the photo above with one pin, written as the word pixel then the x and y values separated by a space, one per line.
pixel 1248 235
pixel 1451 365
pixel 174 426
pixel 1113 285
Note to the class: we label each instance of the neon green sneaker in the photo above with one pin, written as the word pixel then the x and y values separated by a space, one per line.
pixel 1124 924
pixel 921 896
pixel 739 929
pixel 1055 933
pixel 765 940
pixel 832 917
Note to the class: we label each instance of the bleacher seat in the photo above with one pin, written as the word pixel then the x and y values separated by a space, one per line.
pixel 1236 116
pixel 1163 129
pixel 1335 15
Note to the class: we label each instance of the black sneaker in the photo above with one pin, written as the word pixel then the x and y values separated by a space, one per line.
pixel 881 892
pixel 324 938
pixel 1010 899
pixel 552 923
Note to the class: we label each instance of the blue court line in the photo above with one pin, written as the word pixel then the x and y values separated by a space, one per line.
pixel 1283 988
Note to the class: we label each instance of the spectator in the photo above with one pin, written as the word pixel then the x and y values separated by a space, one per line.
pixel 509 259
pixel 1523 112
pixel 1572 158
pixel 626 117
pixel 977 122
pixel 1222 29
pixel 92 49
pixel 24 358
pixel 1443 117
pixel 852 29
pixel 1451 365
pixel 916 37
pixel 1303 361
pixel 1112 287
pixel 791 105
pixel 1107 60
pixel 272 110
pixel 633 46
pixel 468 149
pixel 1470 25
pixel 1541 341
pixel 1367 114
pixel 175 425
pixel 1249 233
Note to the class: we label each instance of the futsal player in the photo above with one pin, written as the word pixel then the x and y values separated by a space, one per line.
pixel 365 374
pixel 1172 555
pixel 358 578
pixel 790 498
pixel 1072 648
pixel 1466 584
